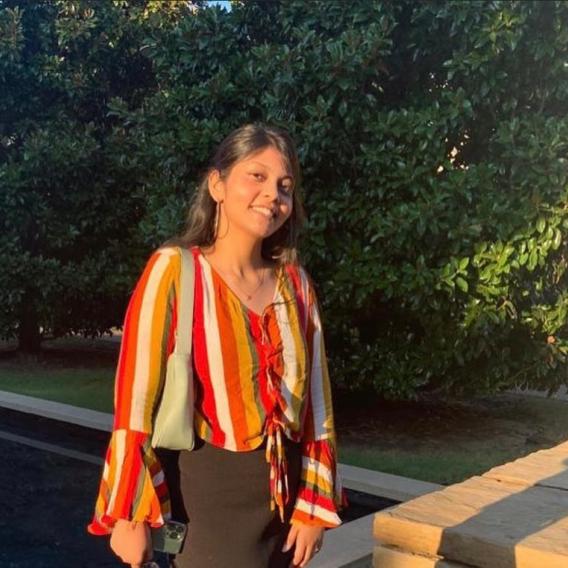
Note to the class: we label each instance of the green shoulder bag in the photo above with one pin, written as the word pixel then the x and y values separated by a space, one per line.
pixel 173 421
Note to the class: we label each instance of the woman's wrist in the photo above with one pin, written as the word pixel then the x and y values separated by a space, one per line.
pixel 127 523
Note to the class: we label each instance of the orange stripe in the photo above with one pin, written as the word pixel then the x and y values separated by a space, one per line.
pixel 125 493
pixel 225 310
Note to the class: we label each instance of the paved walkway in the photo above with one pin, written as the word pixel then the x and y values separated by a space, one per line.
pixel 348 546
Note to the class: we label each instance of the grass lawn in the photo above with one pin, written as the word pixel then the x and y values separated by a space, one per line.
pixel 440 441
pixel 77 386
pixel 77 372
pixel 447 442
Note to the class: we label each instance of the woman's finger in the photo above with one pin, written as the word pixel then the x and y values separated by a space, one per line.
pixel 299 554
pixel 290 539
pixel 309 553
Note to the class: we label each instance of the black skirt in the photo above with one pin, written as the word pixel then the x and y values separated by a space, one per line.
pixel 224 497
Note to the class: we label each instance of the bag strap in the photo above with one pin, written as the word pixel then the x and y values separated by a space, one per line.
pixel 184 327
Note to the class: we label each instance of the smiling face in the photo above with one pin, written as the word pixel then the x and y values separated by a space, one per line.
pixel 256 196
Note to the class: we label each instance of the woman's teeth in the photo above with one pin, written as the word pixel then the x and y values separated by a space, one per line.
pixel 264 211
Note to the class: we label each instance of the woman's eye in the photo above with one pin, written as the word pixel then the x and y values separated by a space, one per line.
pixel 261 177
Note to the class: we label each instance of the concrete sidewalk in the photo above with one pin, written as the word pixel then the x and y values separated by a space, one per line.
pixel 348 546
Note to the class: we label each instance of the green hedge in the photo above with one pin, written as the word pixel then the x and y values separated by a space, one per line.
pixel 433 139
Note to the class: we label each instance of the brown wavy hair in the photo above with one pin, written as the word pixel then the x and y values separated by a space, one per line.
pixel 238 145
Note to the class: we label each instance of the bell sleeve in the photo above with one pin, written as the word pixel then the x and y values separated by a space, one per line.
pixel 133 486
pixel 320 494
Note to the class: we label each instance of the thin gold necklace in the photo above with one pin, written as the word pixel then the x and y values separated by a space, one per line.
pixel 247 294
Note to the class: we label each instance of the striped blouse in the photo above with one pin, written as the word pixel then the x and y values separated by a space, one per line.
pixel 256 376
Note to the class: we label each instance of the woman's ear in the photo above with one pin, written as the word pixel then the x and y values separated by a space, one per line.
pixel 215 185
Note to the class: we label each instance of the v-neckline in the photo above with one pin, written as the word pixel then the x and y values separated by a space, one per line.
pixel 279 272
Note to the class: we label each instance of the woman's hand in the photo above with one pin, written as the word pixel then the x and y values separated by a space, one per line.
pixel 308 540
pixel 131 542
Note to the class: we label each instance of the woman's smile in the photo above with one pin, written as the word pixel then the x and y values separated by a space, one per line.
pixel 266 212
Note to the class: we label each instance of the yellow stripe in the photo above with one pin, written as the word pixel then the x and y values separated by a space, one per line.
pixel 319 481
pixel 161 319
pixel 245 362
pixel 115 466
pixel 144 503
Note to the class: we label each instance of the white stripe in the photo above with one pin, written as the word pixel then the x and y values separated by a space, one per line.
pixel 305 294
pixel 119 444
pixel 144 345
pixel 318 468
pixel 214 357
pixel 316 371
pixel 290 375
pixel 316 386
pixel 317 511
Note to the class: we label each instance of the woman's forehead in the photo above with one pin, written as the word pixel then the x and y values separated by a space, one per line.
pixel 273 161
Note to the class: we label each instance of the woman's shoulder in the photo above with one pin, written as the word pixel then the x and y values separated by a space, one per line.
pixel 166 251
pixel 302 281
pixel 163 256
pixel 174 249
pixel 172 252
pixel 163 262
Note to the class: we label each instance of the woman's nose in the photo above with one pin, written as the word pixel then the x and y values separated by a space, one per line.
pixel 271 190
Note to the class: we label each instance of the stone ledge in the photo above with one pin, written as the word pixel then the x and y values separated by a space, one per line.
pixel 388 557
pixel 385 485
pixel 368 481
pixel 57 411
pixel 482 522
pixel 544 468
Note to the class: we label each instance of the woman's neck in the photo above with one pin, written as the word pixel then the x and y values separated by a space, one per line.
pixel 237 257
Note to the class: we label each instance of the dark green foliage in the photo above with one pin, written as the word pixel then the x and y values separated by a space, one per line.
pixel 69 207
pixel 433 138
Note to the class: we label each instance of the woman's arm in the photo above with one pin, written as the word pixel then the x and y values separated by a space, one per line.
pixel 133 486
pixel 320 494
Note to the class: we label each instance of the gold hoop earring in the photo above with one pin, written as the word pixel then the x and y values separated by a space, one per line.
pixel 217 217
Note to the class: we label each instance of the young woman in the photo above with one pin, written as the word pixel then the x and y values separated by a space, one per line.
pixel 261 484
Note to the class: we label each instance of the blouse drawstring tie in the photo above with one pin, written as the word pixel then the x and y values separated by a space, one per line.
pixel 276 457
pixel 275 454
